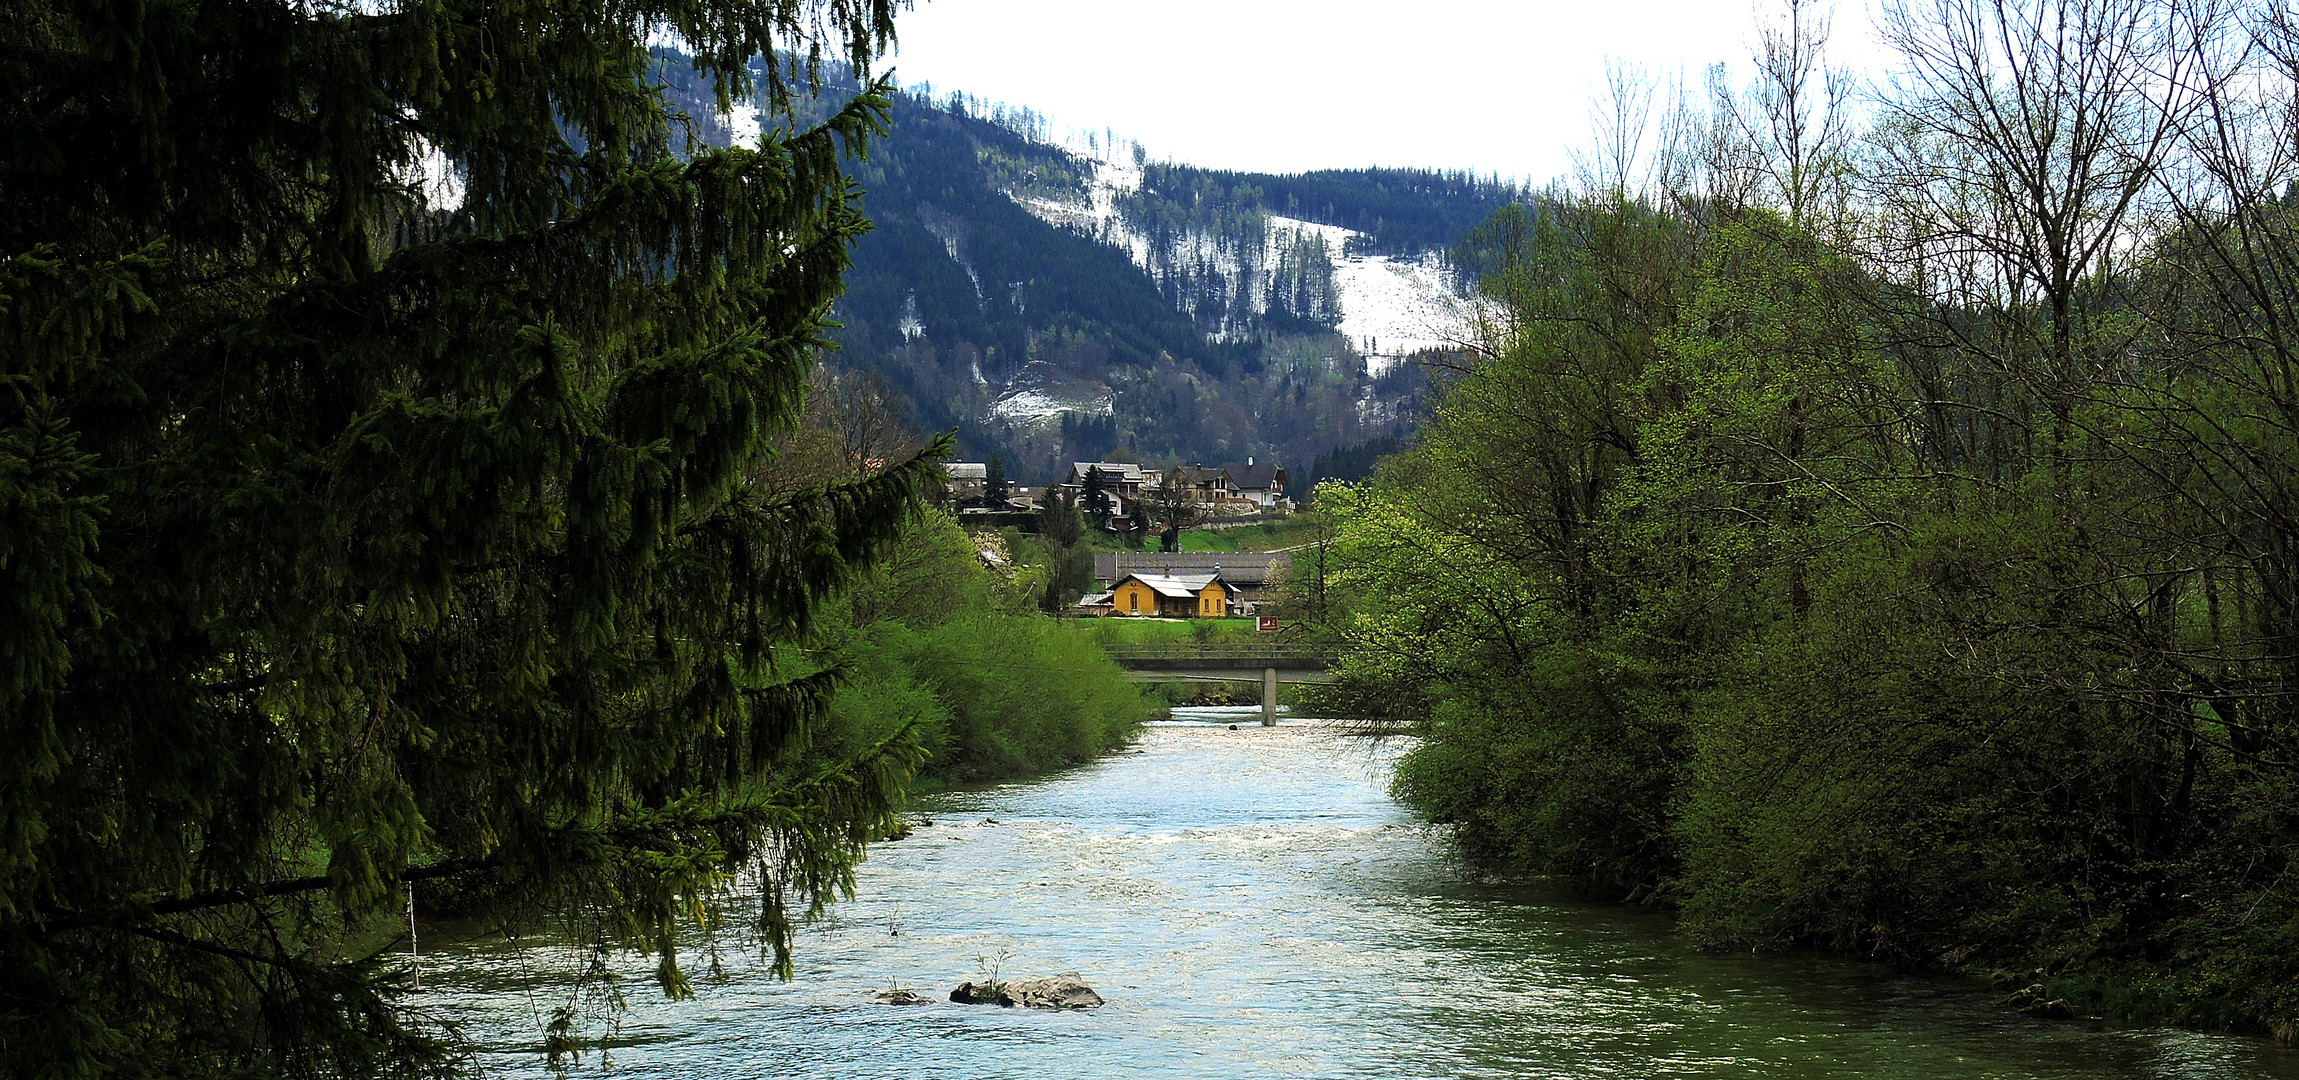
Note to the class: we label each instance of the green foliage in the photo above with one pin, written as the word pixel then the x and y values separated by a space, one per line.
pixel 1269 535
pixel 994 483
pixel 1734 581
pixel 989 688
pixel 1485 603
pixel 353 537
pixel 1130 631
pixel 1069 577
pixel 1059 520
pixel 1023 696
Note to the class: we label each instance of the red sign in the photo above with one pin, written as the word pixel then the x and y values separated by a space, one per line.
pixel 1268 624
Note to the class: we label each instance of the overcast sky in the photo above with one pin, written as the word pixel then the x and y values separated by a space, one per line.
pixel 1291 85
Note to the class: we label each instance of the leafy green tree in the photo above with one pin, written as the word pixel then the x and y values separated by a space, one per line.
pixel 1479 560
pixel 382 392
pixel 1071 578
pixel 1058 518
pixel 1070 569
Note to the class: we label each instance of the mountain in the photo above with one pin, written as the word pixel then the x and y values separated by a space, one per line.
pixel 1076 302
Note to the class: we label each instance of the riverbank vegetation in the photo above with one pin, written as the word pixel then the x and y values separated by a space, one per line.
pixel 942 643
pixel 1119 630
pixel 954 656
pixel 1887 540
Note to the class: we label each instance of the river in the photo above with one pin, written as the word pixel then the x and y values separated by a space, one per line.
pixel 1252 904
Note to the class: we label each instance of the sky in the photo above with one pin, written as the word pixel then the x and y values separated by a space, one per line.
pixel 1291 85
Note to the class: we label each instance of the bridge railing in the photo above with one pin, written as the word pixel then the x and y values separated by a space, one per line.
pixel 1217 651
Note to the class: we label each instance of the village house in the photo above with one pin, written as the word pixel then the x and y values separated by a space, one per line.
pixel 1232 491
pixel 1245 575
pixel 967 478
pixel 1124 482
pixel 1186 596
pixel 1262 485
pixel 1125 478
pixel 1212 492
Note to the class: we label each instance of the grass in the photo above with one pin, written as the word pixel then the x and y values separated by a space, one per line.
pixel 1282 532
pixel 1118 630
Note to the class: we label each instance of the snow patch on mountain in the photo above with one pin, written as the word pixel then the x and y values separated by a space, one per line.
pixel 1039 394
pixel 1036 407
pixel 952 230
pixel 1028 405
pixel 1096 216
pixel 1391 307
pixel 743 124
pixel 911 327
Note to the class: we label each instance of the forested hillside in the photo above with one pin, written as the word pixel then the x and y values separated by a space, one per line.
pixel 1885 541
pixel 1051 305
pixel 1398 211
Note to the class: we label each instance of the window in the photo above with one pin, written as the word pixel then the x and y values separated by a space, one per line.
pixel 1134 602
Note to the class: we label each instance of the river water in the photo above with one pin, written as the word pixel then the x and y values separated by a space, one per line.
pixel 1252 904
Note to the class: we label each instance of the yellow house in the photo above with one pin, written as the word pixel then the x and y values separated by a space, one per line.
pixel 1171 595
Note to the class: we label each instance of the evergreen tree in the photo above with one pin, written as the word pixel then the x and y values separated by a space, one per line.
pixel 357 532
pixel 994 479
pixel 1097 500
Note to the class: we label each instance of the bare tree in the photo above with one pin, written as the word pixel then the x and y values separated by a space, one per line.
pixel 1709 161
pixel 850 426
pixel 1797 117
pixel 1175 506
pixel 2222 390
pixel 858 413
pixel 1619 117
pixel 2018 142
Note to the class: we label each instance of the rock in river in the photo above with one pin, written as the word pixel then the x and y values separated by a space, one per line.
pixel 899 997
pixel 1063 991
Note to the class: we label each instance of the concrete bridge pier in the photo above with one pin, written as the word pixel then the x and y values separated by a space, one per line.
pixel 1269 697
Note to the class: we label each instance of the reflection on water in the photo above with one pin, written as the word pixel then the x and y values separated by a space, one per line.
pixel 1251 903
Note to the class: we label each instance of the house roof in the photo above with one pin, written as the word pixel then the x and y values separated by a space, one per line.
pixel 1123 471
pixel 1178 586
pixel 1248 568
pixel 1262 477
pixel 1099 599
pixel 966 470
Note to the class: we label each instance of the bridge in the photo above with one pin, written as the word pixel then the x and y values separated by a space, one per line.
pixel 1193 662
